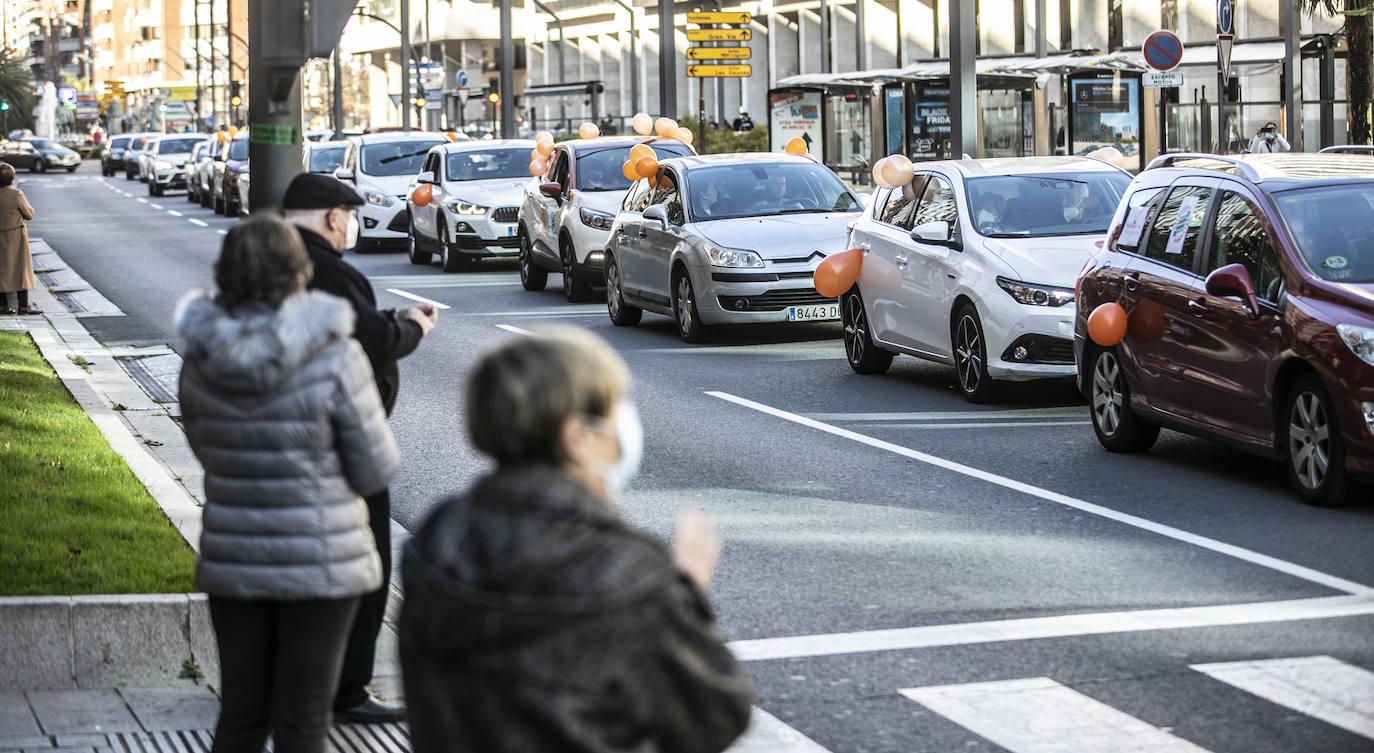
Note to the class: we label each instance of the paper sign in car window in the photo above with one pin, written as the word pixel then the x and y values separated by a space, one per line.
pixel 1179 234
pixel 1134 227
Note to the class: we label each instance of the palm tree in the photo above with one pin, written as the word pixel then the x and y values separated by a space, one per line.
pixel 16 90
pixel 1359 35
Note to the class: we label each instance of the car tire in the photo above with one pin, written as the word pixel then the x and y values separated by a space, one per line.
pixel 205 199
pixel 1314 446
pixel 40 166
pixel 575 289
pixel 451 262
pixel 1117 426
pixel 532 278
pixel 191 196
pixel 864 356
pixel 689 325
pixel 218 205
pixel 968 346
pixel 622 314
pixel 72 168
pixel 417 256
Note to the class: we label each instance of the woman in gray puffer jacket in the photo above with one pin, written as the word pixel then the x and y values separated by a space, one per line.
pixel 281 409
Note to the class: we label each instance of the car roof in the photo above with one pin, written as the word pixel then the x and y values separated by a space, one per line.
pixel 1272 172
pixel 388 136
pixel 736 158
pixel 475 145
pixel 612 142
pixel 979 168
pixel 326 144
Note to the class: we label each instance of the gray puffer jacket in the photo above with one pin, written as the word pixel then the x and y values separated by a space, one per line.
pixel 281 409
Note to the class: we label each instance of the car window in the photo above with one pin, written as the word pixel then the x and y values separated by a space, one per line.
pixel 601 169
pixel 937 203
pixel 432 166
pixel 239 149
pixel 757 189
pixel 1240 238
pixel 119 142
pixel 637 198
pixel 670 197
pixel 1139 206
pixel 902 202
pixel 395 157
pixel 177 146
pixel 486 164
pixel 1030 206
pixel 1333 228
pixel 559 174
pixel 1174 236
pixel 325 160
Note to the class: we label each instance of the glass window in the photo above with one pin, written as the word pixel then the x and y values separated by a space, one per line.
pixel 486 164
pixel 638 197
pixel 1029 206
pixel 1333 228
pixel 559 174
pixel 600 169
pixel 239 149
pixel 326 160
pixel 178 146
pixel 937 203
pixel 1174 237
pixel 119 142
pixel 902 202
pixel 847 115
pixel 671 199
pixel 1241 239
pixel 1139 206
pixel 762 188
pixel 392 157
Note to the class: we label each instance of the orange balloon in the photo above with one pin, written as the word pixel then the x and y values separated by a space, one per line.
pixel 663 181
pixel 221 136
pixel 684 135
pixel 838 273
pixel 233 130
pixel 630 171
pixel 450 135
pixel 647 167
pixel 588 131
pixel 1146 321
pixel 422 194
pixel 643 124
pixel 538 167
pixel 544 136
pixel 535 154
pixel 665 127
pixel 544 147
pixel 640 151
pixel 797 145
pixel 1107 324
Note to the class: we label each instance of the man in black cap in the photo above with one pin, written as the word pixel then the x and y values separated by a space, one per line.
pixel 325 212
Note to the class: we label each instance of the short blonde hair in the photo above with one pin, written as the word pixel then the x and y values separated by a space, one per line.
pixel 521 392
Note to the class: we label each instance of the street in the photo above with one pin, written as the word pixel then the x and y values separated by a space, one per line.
pixel 872 520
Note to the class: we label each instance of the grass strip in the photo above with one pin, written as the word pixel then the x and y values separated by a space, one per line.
pixel 73 518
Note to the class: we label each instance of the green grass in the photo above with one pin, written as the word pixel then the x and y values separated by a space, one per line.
pixel 73 518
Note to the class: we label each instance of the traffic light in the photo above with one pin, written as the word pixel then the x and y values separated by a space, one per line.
pixel 235 97
pixel 4 106
pixel 494 90
pixel 418 102
pixel 162 108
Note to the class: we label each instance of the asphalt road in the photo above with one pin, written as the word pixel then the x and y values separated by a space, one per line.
pixel 871 520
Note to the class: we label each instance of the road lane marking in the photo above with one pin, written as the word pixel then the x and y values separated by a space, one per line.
pixel 175 213
pixel 1318 686
pixel 516 330
pixel 1178 534
pixel 985 424
pixel 155 206
pixel 769 734
pixel 1038 715
pixel 195 221
pixel 140 199
pixel 1072 412
pixel 1058 626
pixel 414 297
pixel 543 314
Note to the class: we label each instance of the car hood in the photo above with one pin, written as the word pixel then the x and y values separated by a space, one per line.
pixel 496 192
pixel 175 159
pixel 1047 261
pixel 391 185
pixel 604 201
pixel 792 236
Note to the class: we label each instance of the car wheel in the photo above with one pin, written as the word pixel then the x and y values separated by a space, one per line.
pixel 863 355
pixel 1117 426
pixel 1314 446
pixel 622 313
pixel 531 277
pixel 40 166
pixel 205 199
pixel 191 194
pixel 218 205
pixel 575 289
pixel 72 168
pixel 689 326
pixel 418 257
pixel 971 356
pixel 450 261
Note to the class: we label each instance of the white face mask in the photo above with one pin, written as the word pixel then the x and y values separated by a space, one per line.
pixel 351 234
pixel 629 432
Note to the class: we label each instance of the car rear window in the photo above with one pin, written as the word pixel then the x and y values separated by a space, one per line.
pixel 1333 228
pixel 600 170
pixel 239 149
pixel 177 146
pixel 120 142
pixel 326 160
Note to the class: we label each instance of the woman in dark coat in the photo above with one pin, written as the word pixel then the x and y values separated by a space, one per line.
pixel 16 265
pixel 535 620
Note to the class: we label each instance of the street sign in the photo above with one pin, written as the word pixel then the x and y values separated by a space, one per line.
pixel 1224 42
pixel 1226 17
pixel 719 35
pixel 719 53
pixel 1162 79
pixel 66 94
pixel 462 79
pixel 712 71
pixel 719 18
pixel 395 100
pixel 430 76
pixel 463 96
pixel 1163 50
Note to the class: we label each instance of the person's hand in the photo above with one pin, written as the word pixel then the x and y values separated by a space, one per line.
pixel 696 547
pixel 424 315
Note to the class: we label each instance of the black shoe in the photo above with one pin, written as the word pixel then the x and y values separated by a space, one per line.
pixel 30 310
pixel 7 311
pixel 370 711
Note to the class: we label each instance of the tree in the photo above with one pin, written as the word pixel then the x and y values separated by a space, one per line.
pixel 1359 35
pixel 16 89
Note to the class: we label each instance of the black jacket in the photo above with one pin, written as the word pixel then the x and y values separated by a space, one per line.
pixel 384 339
pixel 536 621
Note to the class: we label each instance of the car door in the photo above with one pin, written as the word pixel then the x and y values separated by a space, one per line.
pixel 929 271
pixel 882 240
pixel 628 225
pixel 1234 351
pixel 551 210
pixel 424 217
pixel 1164 282
pixel 659 241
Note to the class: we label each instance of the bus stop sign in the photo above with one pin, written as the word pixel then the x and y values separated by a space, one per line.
pixel 1163 50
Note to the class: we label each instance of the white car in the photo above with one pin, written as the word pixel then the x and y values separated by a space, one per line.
pixel 477 187
pixel 168 163
pixel 382 167
pixel 566 222
pixel 973 264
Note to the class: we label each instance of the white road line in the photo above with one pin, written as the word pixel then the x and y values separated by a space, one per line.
pixel 1319 686
pixel 982 424
pixel 140 200
pixel 516 330
pixel 195 221
pixel 768 734
pixel 1079 411
pixel 1038 715
pixel 1059 626
pixel 414 297
pixel 1178 534
pixel 222 232
pixel 543 314
pixel 174 213
pixel 155 206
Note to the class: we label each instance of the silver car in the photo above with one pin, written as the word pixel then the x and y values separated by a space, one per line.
pixel 728 239
pixel 168 162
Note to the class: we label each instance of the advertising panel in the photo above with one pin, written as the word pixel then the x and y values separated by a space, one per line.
pixel 892 112
pixel 1106 111
pixel 795 114
pixel 929 116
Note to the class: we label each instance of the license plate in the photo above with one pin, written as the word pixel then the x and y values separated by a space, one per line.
pixel 512 230
pixel 821 313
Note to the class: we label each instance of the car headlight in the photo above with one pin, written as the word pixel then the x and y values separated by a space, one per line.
pixel 160 165
pixel 598 220
pixel 733 257
pixel 379 199
pixel 1360 340
pixel 1029 294
pixel 468 208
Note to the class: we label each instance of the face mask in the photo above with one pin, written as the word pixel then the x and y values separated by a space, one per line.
pixel 630 434
pixel 351 234
pixel 1269 136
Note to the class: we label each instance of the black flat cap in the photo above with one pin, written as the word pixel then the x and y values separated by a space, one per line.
pixel 319 191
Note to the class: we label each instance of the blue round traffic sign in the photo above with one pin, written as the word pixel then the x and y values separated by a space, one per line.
pixel 1226 16
pixel 462 78
pixel 1162 50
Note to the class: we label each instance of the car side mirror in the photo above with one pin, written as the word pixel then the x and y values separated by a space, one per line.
pixel 552 190
pixel 936 232
pixel 1233 281
pixel 343 173
pixel 425 177
pixel 657 212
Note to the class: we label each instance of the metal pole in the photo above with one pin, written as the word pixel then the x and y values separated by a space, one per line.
pixel 963 80
pixel 338 93
pixel 275 108
pixel 406 55
pixel 229 53
pixel 1041 42
pixel 1326 92
pixel 427 57
pixel 720 93
pixel 667 59
pixel 507 74
pixel 824 11
pixel 860 35
pixel 1221 113
pixel 634 66
pixel 1292 72
pixel 200 113
pixel 214 74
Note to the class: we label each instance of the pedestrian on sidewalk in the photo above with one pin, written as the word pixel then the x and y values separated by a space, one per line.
pixel 279 406
pixel 325 212
pixel 535 619
pixel 16 260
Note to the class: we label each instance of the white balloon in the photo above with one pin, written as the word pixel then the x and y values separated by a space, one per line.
pixel 879 178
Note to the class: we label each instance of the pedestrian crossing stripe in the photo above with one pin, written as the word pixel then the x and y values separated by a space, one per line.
pixel 1318 686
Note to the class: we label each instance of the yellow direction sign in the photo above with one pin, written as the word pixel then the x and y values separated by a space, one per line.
pixel 718 53
pixel 709 71
pixel 717 17
pixel 719 35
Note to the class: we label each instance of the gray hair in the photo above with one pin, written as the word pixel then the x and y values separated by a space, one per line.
pixel 521 392
pixel 311 219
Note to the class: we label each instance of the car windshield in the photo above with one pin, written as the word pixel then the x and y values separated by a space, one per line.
pixel 474 164
pixel 326 160
pixel 396 157
pixel 601 170
pixel 44 144
pixel 758 189
pixel 239 149
pixel 1035 206
pixel 1333 228
pixel 120 142
pixel 177 146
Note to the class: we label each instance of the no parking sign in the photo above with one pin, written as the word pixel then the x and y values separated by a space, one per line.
pixel 1163 50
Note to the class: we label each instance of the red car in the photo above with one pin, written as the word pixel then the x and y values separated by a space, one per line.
pixel 1248 284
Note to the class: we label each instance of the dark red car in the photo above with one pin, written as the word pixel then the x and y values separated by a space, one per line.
pixel 1248 284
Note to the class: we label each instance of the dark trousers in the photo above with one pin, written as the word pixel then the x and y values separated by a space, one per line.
pixel 362 641
pixel 279 665
pixel 21 296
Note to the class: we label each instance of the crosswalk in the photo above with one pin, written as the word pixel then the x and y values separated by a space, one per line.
pixel 1042 715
